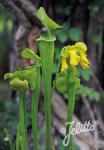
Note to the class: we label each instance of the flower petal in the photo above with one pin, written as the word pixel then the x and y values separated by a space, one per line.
pixel 81 46
pixel 71 47
pixel 64 64
pixel 84 61
pixel 74 58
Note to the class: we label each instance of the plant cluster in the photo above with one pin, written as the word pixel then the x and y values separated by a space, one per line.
pixel 66 82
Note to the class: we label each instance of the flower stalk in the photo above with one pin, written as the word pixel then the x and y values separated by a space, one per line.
pixel 68 82
pixel 70 109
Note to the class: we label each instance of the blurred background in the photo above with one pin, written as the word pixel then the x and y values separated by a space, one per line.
pixel 82 20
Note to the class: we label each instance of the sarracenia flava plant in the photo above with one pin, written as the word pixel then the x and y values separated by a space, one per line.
pixel 22 80
pixel 46 48
pixel 68 81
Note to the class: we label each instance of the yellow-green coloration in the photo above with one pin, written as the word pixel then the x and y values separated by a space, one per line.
pixel 66 81
pixel 35 103
pixel 62 83
pixel 22 79
pixel 29 54
pixel 46 49
pixel 20 85
pixel 34 82
pixel 46 20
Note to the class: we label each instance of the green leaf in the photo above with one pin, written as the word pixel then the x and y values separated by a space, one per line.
pixel 62 36
pixel 90 93
pixel 8 138
pixel 29 54
pixel 85 74
pixel 74 34
pixel 46 20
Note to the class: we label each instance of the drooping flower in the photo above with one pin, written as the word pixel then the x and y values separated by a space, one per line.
pixel 76 54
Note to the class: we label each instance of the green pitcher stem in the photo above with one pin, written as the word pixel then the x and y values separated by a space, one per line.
pixel 70 110
pixel 47 105
pixel 48 124
pixel 35 103
pixel 46 49
pixel 18 138
pixel 35 120
pixel 23 126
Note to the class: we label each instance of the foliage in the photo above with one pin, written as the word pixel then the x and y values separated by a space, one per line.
pixel 68 32
pixel 89 93
pixel 74 34
pixel 86 74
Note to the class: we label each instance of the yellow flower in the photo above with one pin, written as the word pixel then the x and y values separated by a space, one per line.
pixel 73 57
pixel 71 47
pixel 84 61
pixel 80 46
pixel 76 54
pixel 81 49
pixel 64 64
